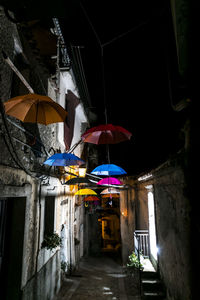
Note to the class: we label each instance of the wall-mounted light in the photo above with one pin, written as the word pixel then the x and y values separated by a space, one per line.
pixel 82 171
pixel 124 213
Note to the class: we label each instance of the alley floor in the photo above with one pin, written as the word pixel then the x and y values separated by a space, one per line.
pixel 101 277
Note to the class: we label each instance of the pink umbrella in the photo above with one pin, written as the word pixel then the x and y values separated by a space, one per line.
pixel 109 180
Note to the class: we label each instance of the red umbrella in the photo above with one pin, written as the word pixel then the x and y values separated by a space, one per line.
pixel 106 134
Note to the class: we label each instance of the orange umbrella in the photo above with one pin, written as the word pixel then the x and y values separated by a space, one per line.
pixel 91 198
pixel 110 196
pixel 35 108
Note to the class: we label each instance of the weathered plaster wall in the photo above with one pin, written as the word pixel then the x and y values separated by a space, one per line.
pixel 8 34
pixel 41 267
pixel 127 222
pixel 10 86
pixel 94 234
pixel 173 232
pixel 38 264
pixel 46 283
pixel 142 208
pixel 78 231
pixel 173 224
pixel 8 39
pixel 67 83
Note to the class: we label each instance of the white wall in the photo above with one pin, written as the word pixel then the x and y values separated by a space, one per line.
pixel 67 83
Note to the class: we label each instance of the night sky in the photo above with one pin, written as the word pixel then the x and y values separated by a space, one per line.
pixel 140 79
pixel 139 57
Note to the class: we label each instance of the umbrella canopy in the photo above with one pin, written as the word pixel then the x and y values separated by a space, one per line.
pixel 106 134
pixel 91 198
pixel 110 196
pixel 64 159
pixel 108 169
pixel 110 191
pixel 85 192
pixel 109 180
pixel 35 108
pixel 77 180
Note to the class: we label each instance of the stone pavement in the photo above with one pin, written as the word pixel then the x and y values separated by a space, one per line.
pixel 99 277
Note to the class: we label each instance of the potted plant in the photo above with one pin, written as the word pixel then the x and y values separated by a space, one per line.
pixel 51 241
pixel 134 263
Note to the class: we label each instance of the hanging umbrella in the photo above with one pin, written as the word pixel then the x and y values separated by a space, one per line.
pixel 64 159
pixel 91 198
pixel 106 134
pixel 110 191
pixel 109 180
pixel 77 180
pixel 35 108
pixel 108 169
pixel 85 192
pixel 110 196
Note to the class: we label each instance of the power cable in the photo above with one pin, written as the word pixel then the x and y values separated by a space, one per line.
pixel 83 73
pixel 103 71
pixel 80 78
pixel 10 145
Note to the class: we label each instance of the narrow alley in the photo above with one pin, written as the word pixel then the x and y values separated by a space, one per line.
pixel 98 134
pixel 98 278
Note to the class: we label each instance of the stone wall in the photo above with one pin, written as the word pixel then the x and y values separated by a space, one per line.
pixel 23 145
pixel 173 224
pixel 173 232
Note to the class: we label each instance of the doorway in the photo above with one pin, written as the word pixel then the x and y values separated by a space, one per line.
pixel 152 227
pixel 110 226
pixel 12 211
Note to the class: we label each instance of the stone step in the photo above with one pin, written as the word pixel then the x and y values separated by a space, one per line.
pixel 147 274
pixel 153 296
pixel 152 285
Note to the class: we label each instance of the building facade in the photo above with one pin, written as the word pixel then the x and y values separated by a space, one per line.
pixel 34 202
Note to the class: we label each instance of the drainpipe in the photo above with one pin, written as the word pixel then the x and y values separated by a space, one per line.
pixel 139 246
pixel 70 238
pixel 39 225
pixel 21 77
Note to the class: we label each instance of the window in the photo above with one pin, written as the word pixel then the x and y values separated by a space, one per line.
pixel 49 215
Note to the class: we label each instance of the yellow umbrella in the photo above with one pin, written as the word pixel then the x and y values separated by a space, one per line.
pixel 35 108
pixel 85 192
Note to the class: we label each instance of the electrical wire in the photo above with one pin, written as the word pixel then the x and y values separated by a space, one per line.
pixel 10 145
pixel 79 78
pixel 102 61
pixel 102 70
pixel 83 73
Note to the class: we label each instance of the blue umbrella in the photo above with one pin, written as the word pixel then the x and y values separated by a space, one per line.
pixel 108 169
pixel 64 159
